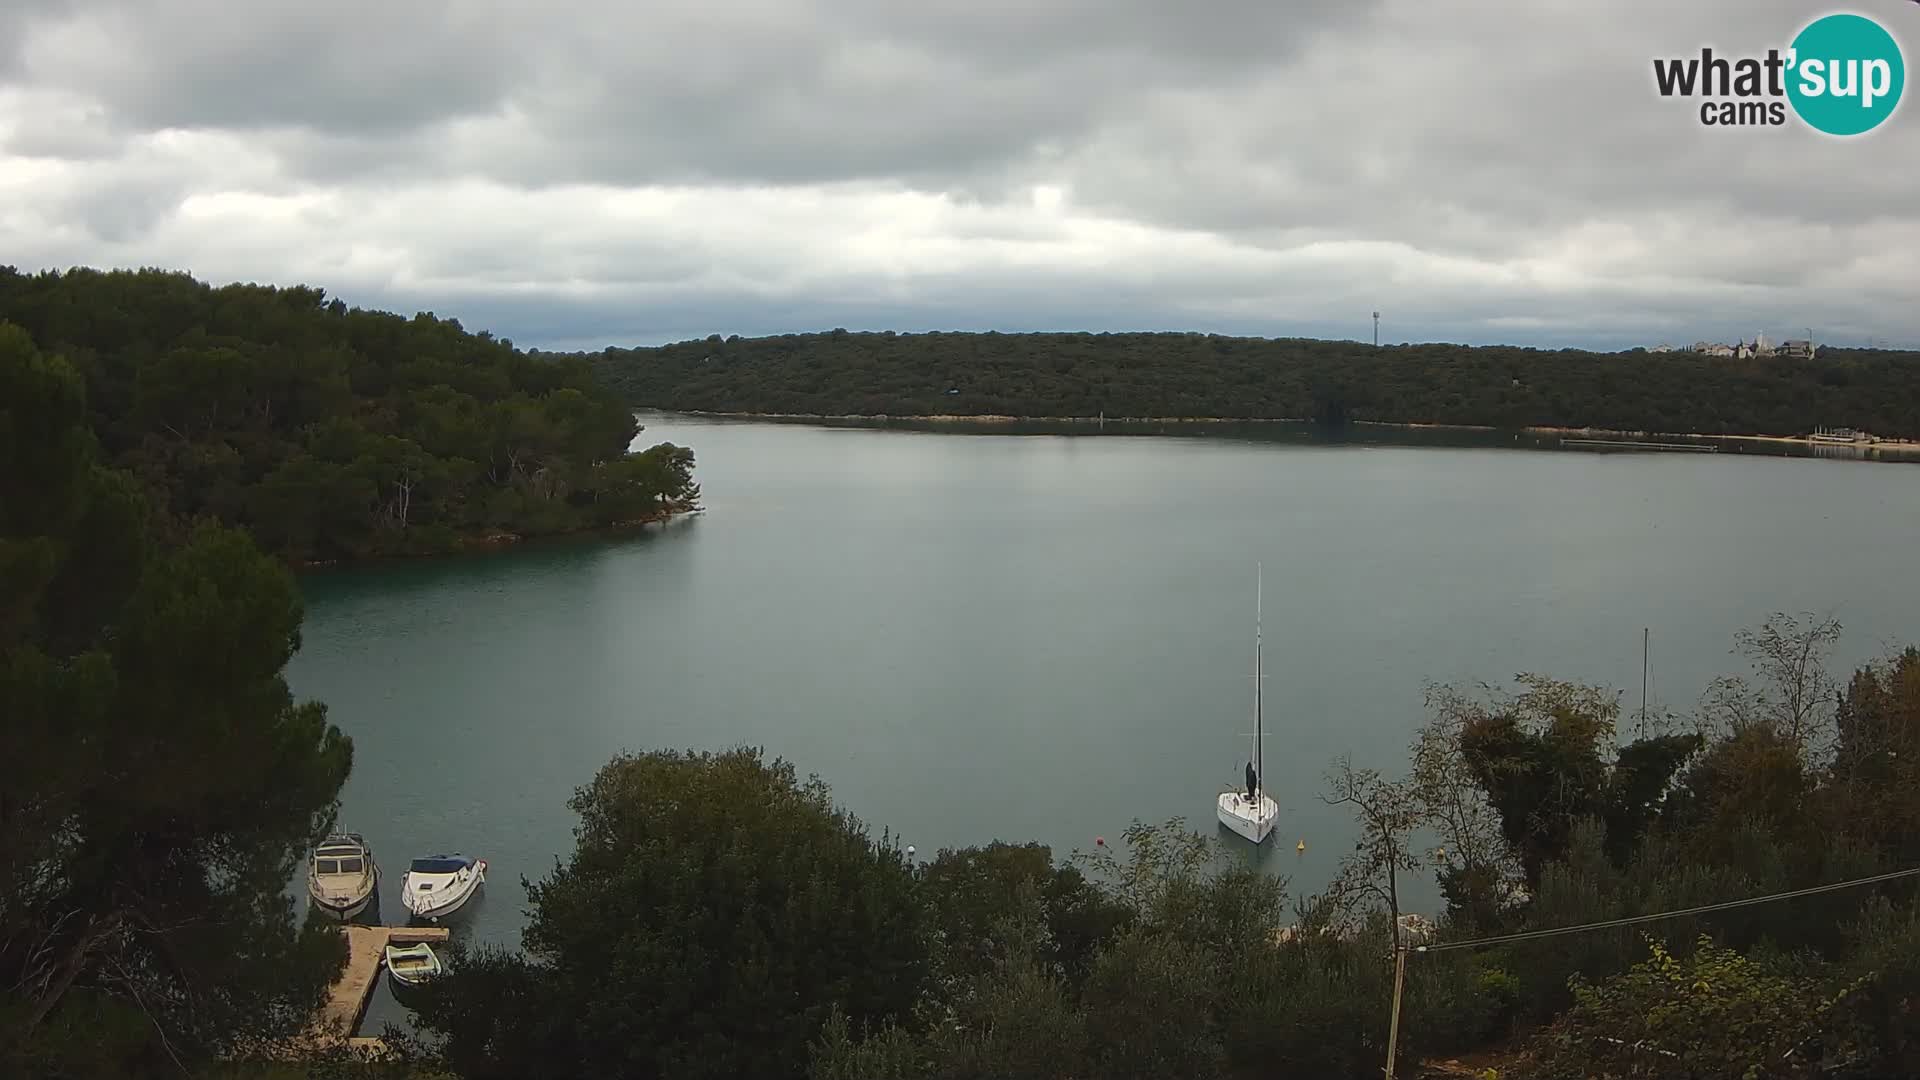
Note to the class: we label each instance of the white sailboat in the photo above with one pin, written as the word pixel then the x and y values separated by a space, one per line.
pixel 1249 812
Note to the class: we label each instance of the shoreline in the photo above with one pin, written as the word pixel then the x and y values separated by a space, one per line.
pixel 494 542
pixel 1884 446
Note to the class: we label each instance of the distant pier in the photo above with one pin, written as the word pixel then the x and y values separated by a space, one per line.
pixel 1629 444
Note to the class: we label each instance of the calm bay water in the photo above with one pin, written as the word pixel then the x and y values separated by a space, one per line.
pixel 979 637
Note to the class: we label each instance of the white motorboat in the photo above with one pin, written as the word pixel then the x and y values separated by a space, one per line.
pixel 342 878
pixel 439 886
pixel 1248 811
pixel 411 965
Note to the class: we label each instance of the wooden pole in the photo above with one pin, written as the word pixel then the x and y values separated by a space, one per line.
pixel 1399 980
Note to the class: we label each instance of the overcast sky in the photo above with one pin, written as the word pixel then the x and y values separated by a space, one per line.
pixel 576 173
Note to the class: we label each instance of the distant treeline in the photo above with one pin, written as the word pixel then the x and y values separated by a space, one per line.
pixel 334 433
pixel 1196 375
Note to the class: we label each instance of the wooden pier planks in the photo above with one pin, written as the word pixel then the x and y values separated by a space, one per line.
pixel 366 945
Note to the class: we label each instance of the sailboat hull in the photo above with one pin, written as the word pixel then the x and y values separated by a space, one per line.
pixel 1251 821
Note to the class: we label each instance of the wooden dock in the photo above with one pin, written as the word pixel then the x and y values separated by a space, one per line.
pixel 346 1003
pixel 1629 444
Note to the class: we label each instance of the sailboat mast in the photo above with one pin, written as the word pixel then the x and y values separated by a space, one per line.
pixel 1646 634
pixel 1259 760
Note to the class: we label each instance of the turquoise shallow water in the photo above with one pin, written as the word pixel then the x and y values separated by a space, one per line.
pixel 1041 637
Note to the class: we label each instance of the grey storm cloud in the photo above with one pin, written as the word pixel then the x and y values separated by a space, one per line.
pixel 585 171
pixel 705 89
pixel 354 66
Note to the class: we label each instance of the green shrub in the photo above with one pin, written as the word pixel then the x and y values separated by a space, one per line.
pixel 1714 1014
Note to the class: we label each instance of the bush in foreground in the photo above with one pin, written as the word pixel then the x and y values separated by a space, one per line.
pixel 714 914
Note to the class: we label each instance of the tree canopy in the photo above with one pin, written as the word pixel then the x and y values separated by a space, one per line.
pixel 162 783
pixel 334 433
pixel 714 914
pixel 1165 954
pixel 1165 375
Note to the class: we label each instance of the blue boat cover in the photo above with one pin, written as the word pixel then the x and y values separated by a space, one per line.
pixel 440 865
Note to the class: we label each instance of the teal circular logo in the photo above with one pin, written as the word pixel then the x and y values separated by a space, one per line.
pixel 1846 74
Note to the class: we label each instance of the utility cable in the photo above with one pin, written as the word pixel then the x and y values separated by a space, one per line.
pixel 1630 920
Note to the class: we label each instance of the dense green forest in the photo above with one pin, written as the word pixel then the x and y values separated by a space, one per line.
pixel 1207 375
pixel 334 433
pixel 161 782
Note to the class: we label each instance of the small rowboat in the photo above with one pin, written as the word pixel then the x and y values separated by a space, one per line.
pixel 411 965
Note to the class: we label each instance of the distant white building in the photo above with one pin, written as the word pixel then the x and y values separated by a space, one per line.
pixel 1796 348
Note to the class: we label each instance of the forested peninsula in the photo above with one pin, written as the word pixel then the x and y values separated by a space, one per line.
pixel 333 433
pixel 1182 376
